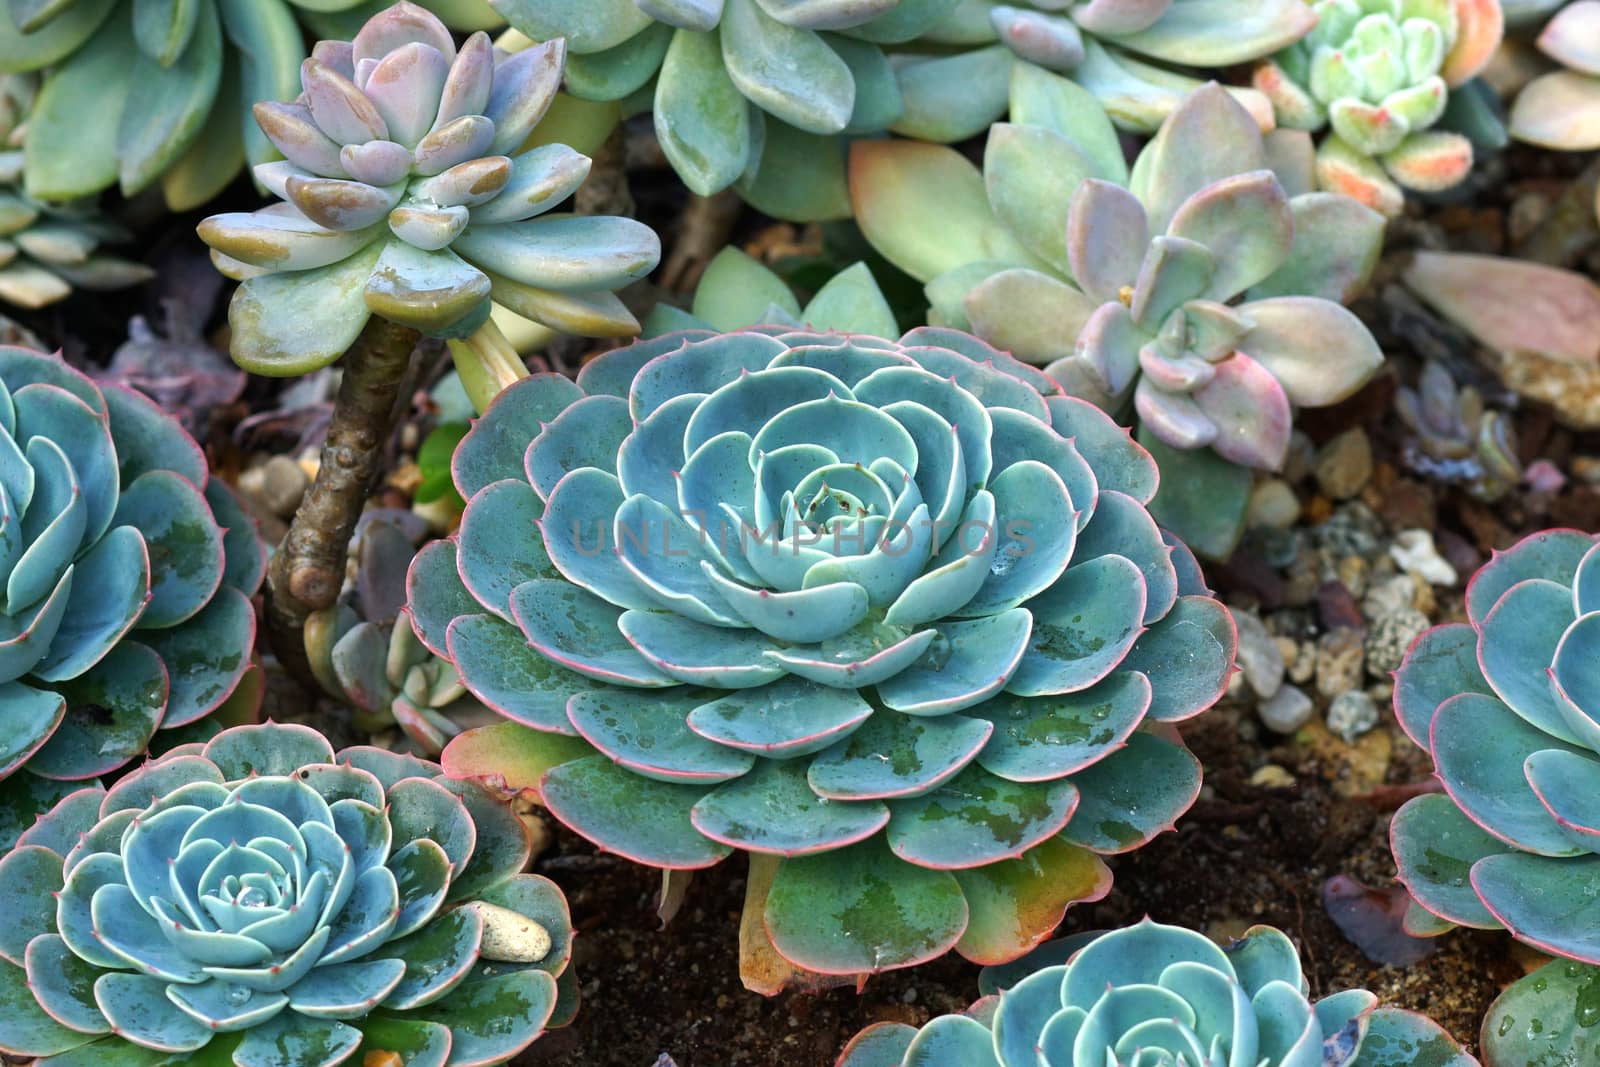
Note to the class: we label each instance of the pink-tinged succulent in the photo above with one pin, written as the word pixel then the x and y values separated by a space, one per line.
pixel 406 196
pixel 889 616
pixel 1377 75
pixel 1161 996
pixel 1458 438
pixel 1508 704
pixel 1200 289
pixel 1562 109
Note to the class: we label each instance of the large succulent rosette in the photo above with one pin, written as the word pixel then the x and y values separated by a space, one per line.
pixel 127 572
pixel 1199 288
pixel 406 195
pixel 259 901
pixel 890 616
pixel 1377 74
pixel 1508 704
pixel 1161 996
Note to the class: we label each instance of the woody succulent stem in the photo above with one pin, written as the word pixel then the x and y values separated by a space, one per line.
pixel 308 569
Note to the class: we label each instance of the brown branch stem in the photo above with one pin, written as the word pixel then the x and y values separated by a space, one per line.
pixel 703 229
pixel 308 569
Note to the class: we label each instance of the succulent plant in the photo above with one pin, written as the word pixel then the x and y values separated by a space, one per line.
pixel 1204 282
pixel 128 571
pixel 46 250
pixel 1562 109
pixel 930 725
pixel 1161 996
pixel 401 200
pixel 1378 74
pixel 1547 1017
pixel 1459 439
pixel 751 92
pixel 1508 706
pixel 1134 55
pixel 259 896
pixel 174 109
pixel 737 292
pixel 365 651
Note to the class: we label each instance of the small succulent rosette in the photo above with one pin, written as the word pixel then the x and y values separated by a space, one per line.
pixel 1508 704
pixel 46 250
pixel 890 616
pixel 1197 292
pixel 1136 56
pixel 1161 996
pixel 1377 75
pixel 406 195
pixel 1561 109
pixel 1458 438
pixel 127 572
pixel 364 651
pixel 259 901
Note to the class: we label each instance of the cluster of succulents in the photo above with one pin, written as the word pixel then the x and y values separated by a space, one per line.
pixel 366 653
pixel 128 571
pixel 46 250
pixel 1161 996
pixel 891 615
pixel 1458 438
pixel 259 900
pixel 1377 75
pixel 1201 287
pixel 1561 109
pixel 1508 706
pixel 403 199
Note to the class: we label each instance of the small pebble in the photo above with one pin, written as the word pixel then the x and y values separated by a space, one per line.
pixel 1287 711
pixel 1259 658
pixel 1304 663
pixel 1413 550
pixel 1389 596
pixel 283 485
pixel 1344 465
pixel 1272 776
pixel 1273 504
pixel 1352 572
pixel 1390 636
pixel 1352 714
pixel 1340 663
pixel 510 936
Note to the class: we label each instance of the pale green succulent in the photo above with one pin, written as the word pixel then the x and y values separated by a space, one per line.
pixel 1377 74
pixel 48 249
pixel 401 199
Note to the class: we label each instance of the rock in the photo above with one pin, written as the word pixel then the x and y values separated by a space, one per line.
pixel 1302 454
pixel 1409 503
pixel 283 485
pixel 1273 504
pixel 1352 714
pixel 1340 657
pixel 1272 776
pixel 1390 636
pixel 1259 658
pixel 1352 572
pixel 1304 663
pixel 1413 550
pixel 1352 530
pixel 1336 608
pixel 509 936
pixel 1389 596
pixel 1344 464
pixel 1287 711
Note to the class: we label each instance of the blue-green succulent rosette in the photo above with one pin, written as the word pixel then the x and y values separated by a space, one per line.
pixel 1161 996
pixel 258 901
pixel 126 572
pixel 889 616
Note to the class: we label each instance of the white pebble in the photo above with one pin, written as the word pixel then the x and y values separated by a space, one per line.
pixel 510 936
pixel 1413 550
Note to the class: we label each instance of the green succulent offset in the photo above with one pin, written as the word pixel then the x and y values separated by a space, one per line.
pixel 717 586
pixel 47 250
pixel 127 571
pixel 1161 996
pixel 1377 74
pixel 1201 288
pixel 262 902
pixel 402 199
